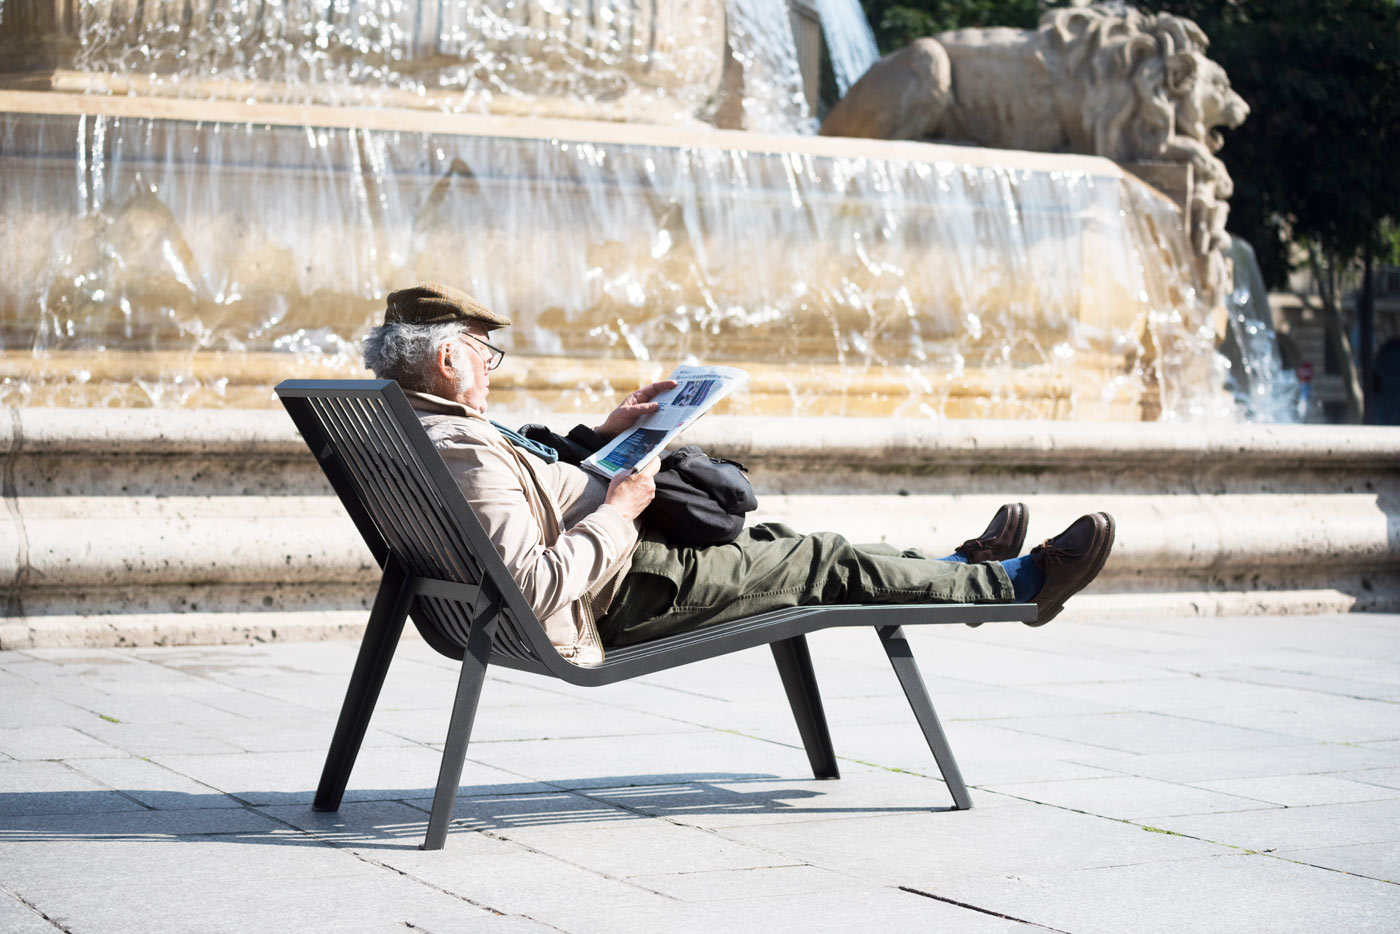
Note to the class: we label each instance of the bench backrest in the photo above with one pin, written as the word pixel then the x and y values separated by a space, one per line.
pixel 407 507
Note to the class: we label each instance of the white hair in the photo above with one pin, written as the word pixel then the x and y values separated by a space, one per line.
pixel 407 353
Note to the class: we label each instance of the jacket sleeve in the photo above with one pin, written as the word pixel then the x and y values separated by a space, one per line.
pixel 552 576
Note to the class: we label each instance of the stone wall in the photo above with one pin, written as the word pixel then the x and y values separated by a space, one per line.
pixel 137 527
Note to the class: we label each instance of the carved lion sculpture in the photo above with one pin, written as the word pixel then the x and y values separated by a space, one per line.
pixel 1102 80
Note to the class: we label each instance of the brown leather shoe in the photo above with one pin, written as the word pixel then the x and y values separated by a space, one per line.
pixel 1070 561
pixel 1003 538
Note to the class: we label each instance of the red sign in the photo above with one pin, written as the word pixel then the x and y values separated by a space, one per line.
pixel 1305 372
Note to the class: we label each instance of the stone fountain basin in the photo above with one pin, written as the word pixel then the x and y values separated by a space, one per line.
pixel 182 252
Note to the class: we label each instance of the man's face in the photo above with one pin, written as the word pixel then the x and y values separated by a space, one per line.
pixel 469 361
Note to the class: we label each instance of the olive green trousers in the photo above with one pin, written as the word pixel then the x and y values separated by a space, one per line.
pixel 673 589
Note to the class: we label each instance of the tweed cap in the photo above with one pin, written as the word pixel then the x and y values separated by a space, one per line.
pixel 431 303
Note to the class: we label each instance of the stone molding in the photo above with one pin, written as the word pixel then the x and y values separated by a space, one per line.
pixel 160 526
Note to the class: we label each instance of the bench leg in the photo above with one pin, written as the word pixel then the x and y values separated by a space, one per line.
pixel 459 732
pixel 897 648
pixel 391 605
pixel 800 682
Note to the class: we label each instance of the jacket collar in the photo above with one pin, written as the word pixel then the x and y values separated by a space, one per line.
pixel 430 404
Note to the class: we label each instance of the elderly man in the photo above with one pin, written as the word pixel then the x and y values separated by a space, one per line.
pixel 597 577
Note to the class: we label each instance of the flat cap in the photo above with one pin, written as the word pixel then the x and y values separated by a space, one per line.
pixel 431 303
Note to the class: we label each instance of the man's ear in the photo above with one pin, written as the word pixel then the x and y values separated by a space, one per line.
pixel 444 374
pixel 1181 71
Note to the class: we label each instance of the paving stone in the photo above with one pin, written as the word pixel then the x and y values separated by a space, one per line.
pixel 657 759
pixel 1127 798
pixel 1294 828
pixel 506 876
pixel 151 784
pixel 153 739
pixel 35 788
pixel 1188 766
pixel 271 852
pixel 618 847
pixel 1021 664
pixel 884 908
pixel 921 849
pixel 1324 718
pixel 145 709
pixel 1317 683
pixel 18 918
pixel 1387 778
pixel 1373 860
pixel 364 894
pixel 721 803
pixel 367 825
pixel 379 774
pixel 1227 893
pixel 684 801
pixel 1390 748
pixel 988 752
pixel 1301 790
pixel 504 812
pixel 1180 694
pixel 52 742
pixel 22 707
pixel 135 823
pixel 1145 733
pixel 560 719
pixel 769 882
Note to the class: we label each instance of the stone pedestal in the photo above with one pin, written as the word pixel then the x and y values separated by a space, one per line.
pixel 146 527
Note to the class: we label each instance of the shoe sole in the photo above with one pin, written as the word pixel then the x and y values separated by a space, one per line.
pixel 1054 611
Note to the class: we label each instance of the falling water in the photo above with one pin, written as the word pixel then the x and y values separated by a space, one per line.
pixel 1263 389
pixel 849 40
pixel 195 252
pixel 155 243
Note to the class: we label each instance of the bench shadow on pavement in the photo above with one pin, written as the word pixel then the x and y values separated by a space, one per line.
pixel 397 818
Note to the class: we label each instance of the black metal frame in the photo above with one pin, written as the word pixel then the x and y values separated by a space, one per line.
pixel 441 570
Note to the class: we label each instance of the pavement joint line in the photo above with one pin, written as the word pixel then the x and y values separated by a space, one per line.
pixel 1345 872
pixel 349 848
pixel 1309 690
pixel 986 911
pixel 35 908
pixel 67 764
pixel 1293 740
pixel 492 835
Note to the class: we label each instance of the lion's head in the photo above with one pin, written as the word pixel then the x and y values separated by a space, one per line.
pixel 1150 92
pixel 1205 102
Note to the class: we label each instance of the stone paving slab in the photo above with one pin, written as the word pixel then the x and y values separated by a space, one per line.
pixel 1159 775
pixel 1245 893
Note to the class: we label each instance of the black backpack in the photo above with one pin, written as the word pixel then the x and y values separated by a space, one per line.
pixel 700 500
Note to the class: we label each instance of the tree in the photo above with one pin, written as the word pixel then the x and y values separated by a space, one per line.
pixel 899 22
pixel 1314 164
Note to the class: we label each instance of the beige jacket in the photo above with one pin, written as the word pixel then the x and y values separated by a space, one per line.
pixel 565 547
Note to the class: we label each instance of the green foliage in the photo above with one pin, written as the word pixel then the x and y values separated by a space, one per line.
pixel 899 22
pixel 1315 160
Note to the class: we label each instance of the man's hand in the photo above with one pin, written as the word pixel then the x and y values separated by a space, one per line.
pixel 633 408
pixel 630 492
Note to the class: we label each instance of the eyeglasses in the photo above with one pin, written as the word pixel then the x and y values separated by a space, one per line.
pixel 494 355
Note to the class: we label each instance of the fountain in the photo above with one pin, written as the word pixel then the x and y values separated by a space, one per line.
pixel 196 207
pixel 200 200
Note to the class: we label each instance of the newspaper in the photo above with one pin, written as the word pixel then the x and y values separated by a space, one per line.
pixel 697 390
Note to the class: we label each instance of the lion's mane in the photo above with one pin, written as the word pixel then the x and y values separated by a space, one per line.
pixel 1118 56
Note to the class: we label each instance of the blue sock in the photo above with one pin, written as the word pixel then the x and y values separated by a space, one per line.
pixel 1026 577
pixel 955 557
